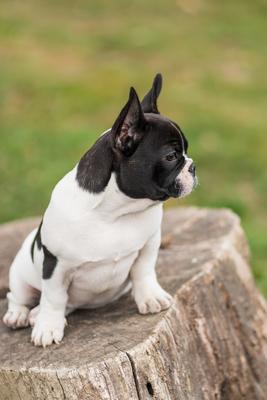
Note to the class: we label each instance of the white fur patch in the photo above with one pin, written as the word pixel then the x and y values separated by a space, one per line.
pixel 185 179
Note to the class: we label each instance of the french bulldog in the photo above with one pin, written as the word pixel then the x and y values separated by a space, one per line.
pixel 101 232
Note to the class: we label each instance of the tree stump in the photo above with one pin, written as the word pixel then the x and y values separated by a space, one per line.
pixel 211 344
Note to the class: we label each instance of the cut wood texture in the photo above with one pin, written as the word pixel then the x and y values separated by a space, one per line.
pixel 211 343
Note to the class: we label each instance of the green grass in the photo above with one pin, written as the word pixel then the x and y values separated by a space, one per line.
pixel 65 71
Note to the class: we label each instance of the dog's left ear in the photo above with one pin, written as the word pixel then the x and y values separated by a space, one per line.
pixel 128 127
pixel 149 102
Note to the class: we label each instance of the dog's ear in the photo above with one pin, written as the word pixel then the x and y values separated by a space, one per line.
pixel 149 102
pixel 128 127
pixel 95 167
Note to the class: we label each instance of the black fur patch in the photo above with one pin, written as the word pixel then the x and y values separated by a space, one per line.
pixel 49 264
pixel 95 167
pixel 149 102
pixel 37 240
pixel 183 136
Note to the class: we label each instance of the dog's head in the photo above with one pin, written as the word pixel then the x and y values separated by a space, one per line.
pixel 151 150
pixel 147 152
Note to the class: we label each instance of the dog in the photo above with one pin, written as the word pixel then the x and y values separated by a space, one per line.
pixel 101 232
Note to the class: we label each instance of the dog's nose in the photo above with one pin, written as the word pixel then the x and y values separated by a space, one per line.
pixel 192 169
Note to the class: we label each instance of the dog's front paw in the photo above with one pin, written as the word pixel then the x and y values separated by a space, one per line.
pixel 16 317
pixel 151 298
pixel 48 329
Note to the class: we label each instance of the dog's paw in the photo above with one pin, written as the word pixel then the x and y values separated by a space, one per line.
pixel 47 330
pixel 16 317
pixel 152 299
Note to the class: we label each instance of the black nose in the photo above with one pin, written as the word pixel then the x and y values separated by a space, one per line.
pixel 192 169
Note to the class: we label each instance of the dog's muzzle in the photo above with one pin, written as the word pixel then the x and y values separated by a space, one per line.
pixel 187 180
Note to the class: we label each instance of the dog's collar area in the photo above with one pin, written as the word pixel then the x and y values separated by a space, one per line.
pixel 116 204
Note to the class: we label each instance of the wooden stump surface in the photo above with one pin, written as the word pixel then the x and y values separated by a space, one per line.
pixel 211 344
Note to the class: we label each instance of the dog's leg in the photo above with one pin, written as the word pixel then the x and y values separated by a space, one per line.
pixel 50 321
pixel 19 299
pixel 21 295
pixel 147 292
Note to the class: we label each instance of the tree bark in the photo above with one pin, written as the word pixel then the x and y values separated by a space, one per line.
pixel 211 343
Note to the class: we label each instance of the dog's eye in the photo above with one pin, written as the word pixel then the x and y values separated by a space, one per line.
pixel 171 156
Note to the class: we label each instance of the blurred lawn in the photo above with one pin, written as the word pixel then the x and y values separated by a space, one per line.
pixel 65 71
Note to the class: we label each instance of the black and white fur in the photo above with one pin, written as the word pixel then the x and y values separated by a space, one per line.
pixel 101 232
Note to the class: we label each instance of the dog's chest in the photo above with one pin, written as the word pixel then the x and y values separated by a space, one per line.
pixel 83 228
pixel 129 234
pixel 94 239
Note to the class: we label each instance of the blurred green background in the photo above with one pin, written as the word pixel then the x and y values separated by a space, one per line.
pixel 65 71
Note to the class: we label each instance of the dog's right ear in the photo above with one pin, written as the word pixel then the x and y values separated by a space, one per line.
pixel 149 102
pixel 128 127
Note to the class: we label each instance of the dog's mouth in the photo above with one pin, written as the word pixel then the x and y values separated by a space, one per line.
pixel 181 188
